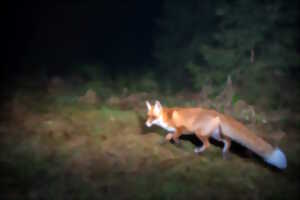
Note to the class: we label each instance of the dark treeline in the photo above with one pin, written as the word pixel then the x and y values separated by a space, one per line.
pixel 222 37
pixel 178 43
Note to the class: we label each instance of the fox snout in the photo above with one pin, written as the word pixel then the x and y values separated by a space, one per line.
pixel 148 123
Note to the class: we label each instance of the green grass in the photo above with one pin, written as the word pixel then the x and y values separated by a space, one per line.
pixel 77 151
pixel 235 98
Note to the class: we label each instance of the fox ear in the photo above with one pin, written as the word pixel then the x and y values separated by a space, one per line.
pixel 157 106
pixel 148 105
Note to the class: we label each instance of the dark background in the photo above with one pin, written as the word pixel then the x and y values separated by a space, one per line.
pixel 165 40
pixel 62 33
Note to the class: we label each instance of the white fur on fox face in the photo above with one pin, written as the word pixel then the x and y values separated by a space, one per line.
pixel 148 105
pixel 148 123
pixel 157 108
pixel 159 122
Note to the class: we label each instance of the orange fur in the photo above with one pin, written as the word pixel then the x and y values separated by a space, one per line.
pixel 205 123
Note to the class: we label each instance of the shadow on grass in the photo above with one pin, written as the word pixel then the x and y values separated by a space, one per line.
pixel 235 148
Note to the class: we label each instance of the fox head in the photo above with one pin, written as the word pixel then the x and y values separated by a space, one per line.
pixel 155 116
pixel 154 113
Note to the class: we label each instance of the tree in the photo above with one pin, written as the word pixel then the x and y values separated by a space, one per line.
pixel 182 27
pixel 252 30
pixel 217 38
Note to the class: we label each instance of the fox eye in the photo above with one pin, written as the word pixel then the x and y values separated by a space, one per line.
pixel 151 117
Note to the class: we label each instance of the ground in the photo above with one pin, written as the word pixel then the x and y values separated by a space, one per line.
pixel 54 146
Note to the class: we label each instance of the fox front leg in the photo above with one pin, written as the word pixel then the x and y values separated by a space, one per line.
pixel 175 136
pixel 167 138
pixel 171 136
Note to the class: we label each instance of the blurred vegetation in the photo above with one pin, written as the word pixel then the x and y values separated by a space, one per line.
pixel 201 43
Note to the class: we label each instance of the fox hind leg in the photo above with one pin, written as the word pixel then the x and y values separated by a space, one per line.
pixel 227 144
pixel 204 133
pixel 205 143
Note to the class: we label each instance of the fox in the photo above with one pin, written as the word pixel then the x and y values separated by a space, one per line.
pixel 207 123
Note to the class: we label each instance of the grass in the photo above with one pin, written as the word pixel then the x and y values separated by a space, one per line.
pixel 36 176
pixel 98 152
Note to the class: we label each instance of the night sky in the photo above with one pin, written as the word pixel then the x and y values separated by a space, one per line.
pixel 114 32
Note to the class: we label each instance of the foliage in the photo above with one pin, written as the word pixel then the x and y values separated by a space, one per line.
pixel 261 27
pixel 207 41
pixel 235 98
pixel 90 72
pixel 183 26
pixel 133 82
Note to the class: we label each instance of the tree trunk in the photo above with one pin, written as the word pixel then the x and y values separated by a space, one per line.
pixel 252 56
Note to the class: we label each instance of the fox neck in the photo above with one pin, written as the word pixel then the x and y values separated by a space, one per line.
pixel 161 122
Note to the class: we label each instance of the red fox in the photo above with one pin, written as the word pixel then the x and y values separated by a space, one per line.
pixel 207 123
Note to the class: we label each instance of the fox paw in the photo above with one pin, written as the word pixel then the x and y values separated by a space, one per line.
pixel 169 136
pixel 198 150
pixel 178 144
pixel 226 156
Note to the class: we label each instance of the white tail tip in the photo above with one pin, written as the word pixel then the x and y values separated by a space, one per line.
pixel 277 159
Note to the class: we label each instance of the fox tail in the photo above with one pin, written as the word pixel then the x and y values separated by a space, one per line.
pixel 241 134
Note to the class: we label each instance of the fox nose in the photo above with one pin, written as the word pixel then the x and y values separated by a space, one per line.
pixel 148 124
